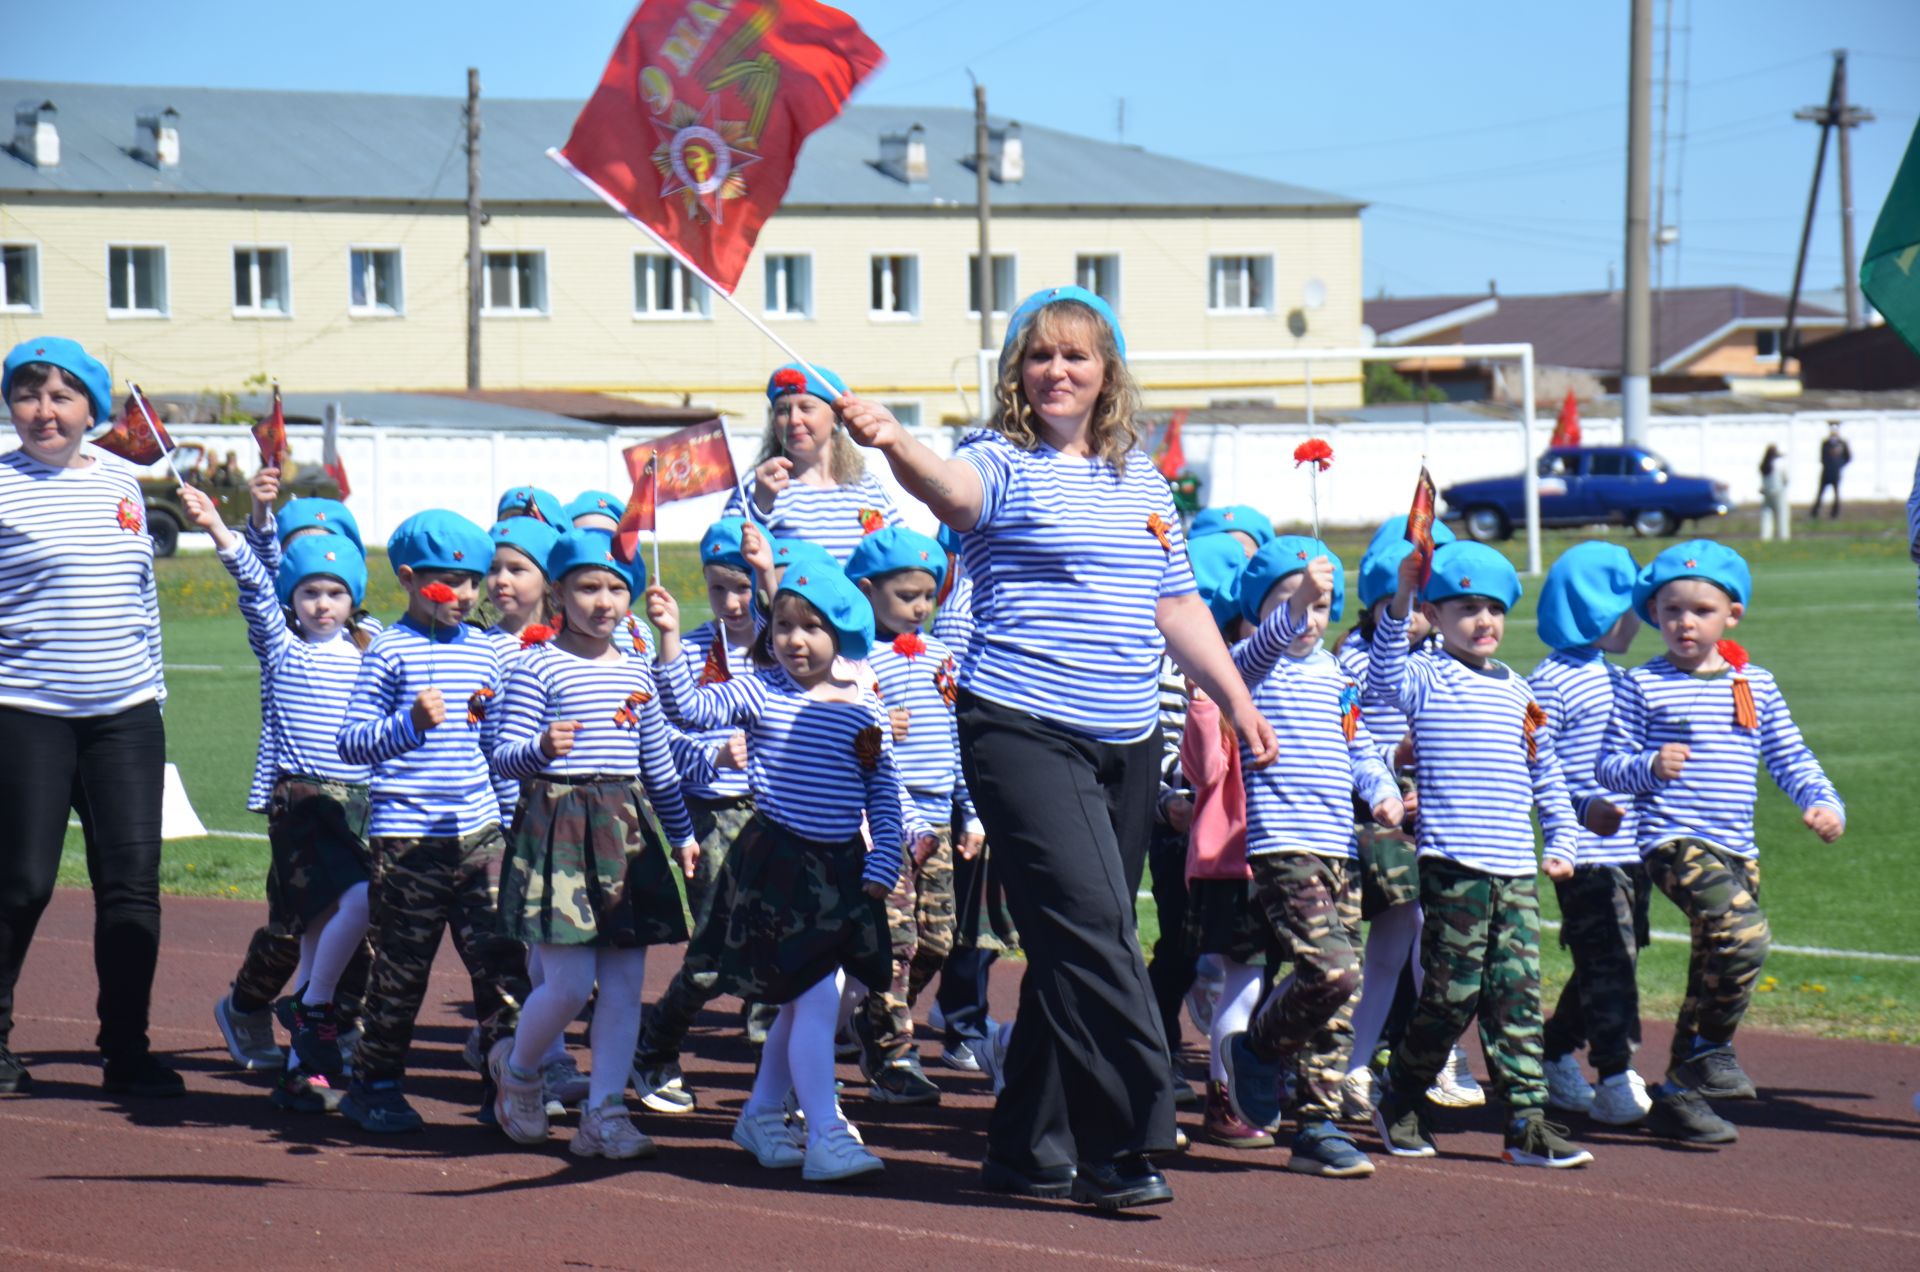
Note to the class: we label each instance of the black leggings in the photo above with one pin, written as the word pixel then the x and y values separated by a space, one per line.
pixel 109 770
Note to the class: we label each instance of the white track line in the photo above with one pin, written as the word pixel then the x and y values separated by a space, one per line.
pixel 81 1261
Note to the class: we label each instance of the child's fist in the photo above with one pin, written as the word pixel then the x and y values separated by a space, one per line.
pixel 1390 812
pixel 662 610
pixel 1670 759
pixel 1603 818
pixel 1558 869
pixel 265 487
pixel 969 845
pixel 429 711
pixel 754 548
pixel 1178 810
pixel 1318 579
pixel 199 507
pixel 1403 753
pixel 558 738
pixel 731 754
pixel 687 857
pixel 1825 822
pixel 1411 567
pixel 899 717
pixel 923 848
pixel 877 891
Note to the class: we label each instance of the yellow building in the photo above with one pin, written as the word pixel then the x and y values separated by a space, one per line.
pixel 194 238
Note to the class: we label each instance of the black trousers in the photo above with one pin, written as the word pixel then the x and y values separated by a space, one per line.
pixel 111 771
pixel 1827 480
pixel 1171 970
pixel 979 906
pixel 1087 1067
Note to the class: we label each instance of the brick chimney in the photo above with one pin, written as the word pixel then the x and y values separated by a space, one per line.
pixel 36 133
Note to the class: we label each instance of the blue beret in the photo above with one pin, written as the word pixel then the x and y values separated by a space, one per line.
pixel 1248 521
pixel 1217 565
pixel 596 503
pixel 587 547
pixel 1717 563
pixel 531 501
pixel 825 586
pixel 317 514
pixel 532 537
pixel 332 555
pixel 1288 554
pixel 793 378
pixel 897 548
pixel 1471 569
pixel 58 351
pixel 796 551
pixel 1380 571
pixel 1394 530
pixel 1041 299
pixel 949 538
pixel 439 540
pixel 720 545
pixel 1586 592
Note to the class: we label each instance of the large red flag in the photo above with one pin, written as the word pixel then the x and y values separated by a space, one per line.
pixel 640 509
pixel 701 112
pixel 1172 457
pixel 270 434
pixel 1420 523
pixel 1566 430
pixel 137 436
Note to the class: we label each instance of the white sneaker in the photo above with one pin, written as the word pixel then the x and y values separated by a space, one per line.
pixel 797 1119
pixel 1356 1095
pixel 609 1132
pixel 1620 1100
pixel 1456 1088
pixel 519 1105
pixel 836 1155
pixel 1567 1088
pixel 765 1135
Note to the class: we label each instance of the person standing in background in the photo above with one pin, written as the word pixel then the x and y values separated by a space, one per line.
pixel 1835 454
pixel 1775 520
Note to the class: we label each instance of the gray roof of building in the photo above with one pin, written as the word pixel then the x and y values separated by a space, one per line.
pixel 307 145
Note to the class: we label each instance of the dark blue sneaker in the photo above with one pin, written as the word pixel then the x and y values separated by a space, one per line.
pixel 379 1107
pixel 1323 1149
pixel 1253 1084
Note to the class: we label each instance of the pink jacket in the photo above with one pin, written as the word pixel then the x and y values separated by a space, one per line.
pixel 1210 758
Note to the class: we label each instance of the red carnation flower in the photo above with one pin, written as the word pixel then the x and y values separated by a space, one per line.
pixel 788 380
pixel 536 634
pixel 1736 657
pixel 438 593
pixel 909 645
pixel 1313 451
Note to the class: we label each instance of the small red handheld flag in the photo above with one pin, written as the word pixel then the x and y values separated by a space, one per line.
pixel 640 509
pixel 271 434
pixel 137 436
pixel 701 113
pixel 1420 523
pixel 693 461
pixel 1172 457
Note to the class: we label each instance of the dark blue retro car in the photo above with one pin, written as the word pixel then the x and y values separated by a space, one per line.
pixel 1584 486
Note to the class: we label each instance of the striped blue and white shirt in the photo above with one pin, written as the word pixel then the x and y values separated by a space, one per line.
pixel 1069 562
pixel 437 784
pixel 1713 797
pixel 815 766
pixel 1383 717
pixel 953 623
pixel 1303 801
pixel 834 517
pixel 1577 688
pixel 621 732
pixel 929 758
pixel 1470 758
pixel 696 647
pixel 304 685
pixel 506 790
pixel 79 609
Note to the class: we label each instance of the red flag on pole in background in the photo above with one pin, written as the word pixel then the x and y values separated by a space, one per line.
pixel 640 509
pixel 693 461
pixel 337 469
pixel 701 113
pixel 137 436
pixel 270 434
pixel 1420 523
pixel 1566 431
pixel 1172 457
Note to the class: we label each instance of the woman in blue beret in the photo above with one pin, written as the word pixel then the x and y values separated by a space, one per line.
pixel 1081 582
pixel 80 696
pixel 811 482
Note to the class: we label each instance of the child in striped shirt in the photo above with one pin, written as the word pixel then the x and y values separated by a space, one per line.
pixel 1300 845
pixel 1483 755
pixel 419 715
pixel 899 571
pixel 803 896
pixel 583 884
pixel 1689 728
pixel 1586 613
pixel 309 657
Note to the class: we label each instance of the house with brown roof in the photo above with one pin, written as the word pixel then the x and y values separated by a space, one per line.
pixel 1704 339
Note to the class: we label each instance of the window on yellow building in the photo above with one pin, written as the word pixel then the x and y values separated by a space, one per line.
pixel 789 286
pixel 1005 284
pixel 1766 345
pixel 664 288
pixel 896 286
pixel 1099 275
pixel 1240 284
pixel 374 281
pixel 260 285
pixel 137 282
pixel 514 283
pixel 19 277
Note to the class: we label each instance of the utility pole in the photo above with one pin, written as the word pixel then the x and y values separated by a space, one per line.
pixel 983 271
pixel 1836 114
pixel 1636 344
pixel 474 261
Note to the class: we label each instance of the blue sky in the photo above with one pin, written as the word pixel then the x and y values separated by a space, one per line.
pixel 1488 136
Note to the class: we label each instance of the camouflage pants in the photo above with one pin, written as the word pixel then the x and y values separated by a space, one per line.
pixel 920 932
pixel 1603 925
pixel 716 824
pixel 424 884
pixel 1480 950
pixel 1720 895
pixel 1313 904
pixel 273 955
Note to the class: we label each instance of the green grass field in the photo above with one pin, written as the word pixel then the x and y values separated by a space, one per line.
pixel 1833 618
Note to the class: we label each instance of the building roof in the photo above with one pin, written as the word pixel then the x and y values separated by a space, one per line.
pixel 1583 330
pixel 307 145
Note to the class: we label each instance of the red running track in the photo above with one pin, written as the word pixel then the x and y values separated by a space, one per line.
pixel 1824 1174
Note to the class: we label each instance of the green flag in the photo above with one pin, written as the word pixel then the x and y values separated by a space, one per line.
pixel 1890 271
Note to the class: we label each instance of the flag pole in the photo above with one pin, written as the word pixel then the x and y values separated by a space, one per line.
pixel 654 482
pixel 739 482
pixel 153 425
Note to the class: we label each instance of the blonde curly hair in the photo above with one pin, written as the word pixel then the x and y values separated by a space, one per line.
pixel 844 460
pixel 1111 432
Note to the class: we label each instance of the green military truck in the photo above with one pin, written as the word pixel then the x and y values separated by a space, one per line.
pixel 227 484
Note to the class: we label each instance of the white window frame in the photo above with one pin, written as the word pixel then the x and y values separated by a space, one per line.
pixel 373 309
pixel 1119 275
pixel 684 280
pixel 1777 334
pixel 911 314
pixel 913 406
pixel 542 310
pixel 165 288
pixel 1012 260
pixel 33 278
pixel 256 310
pixel 806 310
pixel 1215 308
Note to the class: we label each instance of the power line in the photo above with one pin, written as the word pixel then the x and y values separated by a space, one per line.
pixel 974 59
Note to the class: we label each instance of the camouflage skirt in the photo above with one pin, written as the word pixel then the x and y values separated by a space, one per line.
pixel 789 910
pixel 1223 918
pixel 585 866
pixel 1389 867
pixel 317 832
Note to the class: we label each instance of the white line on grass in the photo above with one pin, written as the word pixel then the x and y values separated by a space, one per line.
pixel 73 823
pixel 196 667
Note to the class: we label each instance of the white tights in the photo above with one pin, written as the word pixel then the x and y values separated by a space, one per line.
pixel 798 1057
pixel 1239 995
pixel 329 944
pixel 568 976
pixel 1393 939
